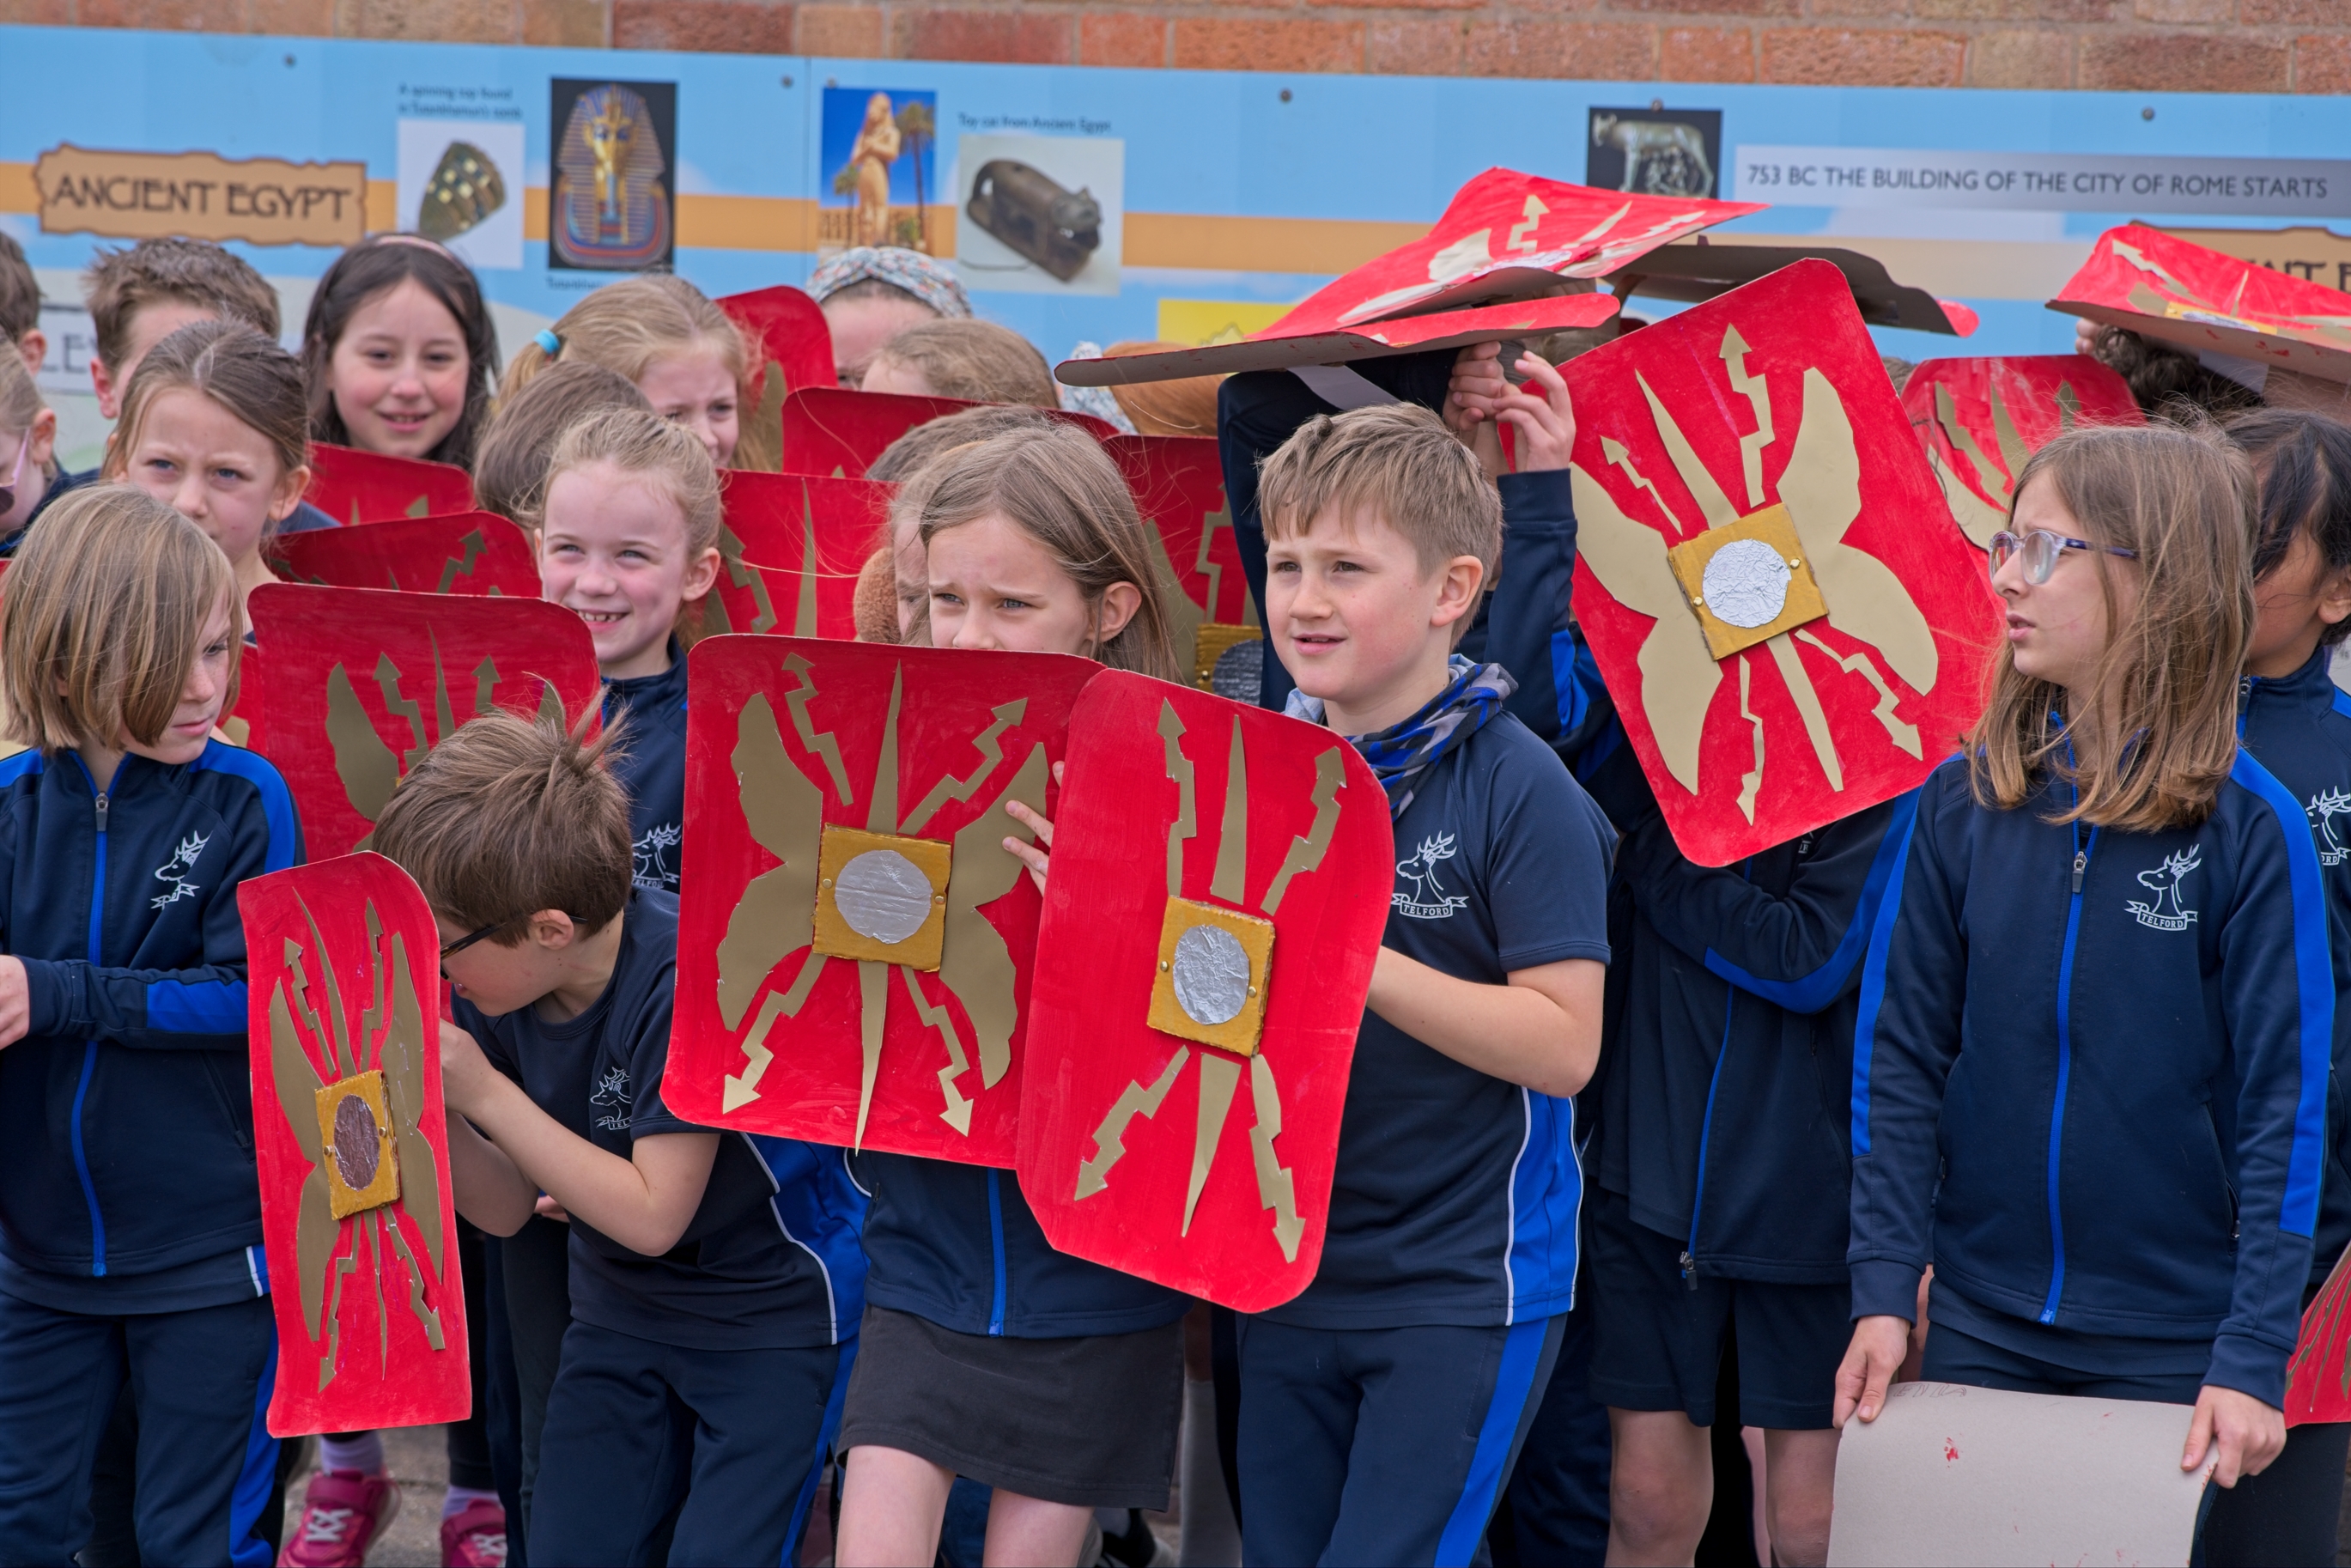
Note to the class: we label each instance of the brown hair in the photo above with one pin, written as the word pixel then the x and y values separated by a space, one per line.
pixel 670 457
pixel 102 619
pixel 122 283
pixel 907 455
pixel 510 465
pixel 249 375
pixel 20 292
pixel 2161 733
pixel 507 817
pixel 373 268
pixel 20 402
pixel 1057 486
pixel 2161 378
pixel 626 326
pixel 2302 467
pixel 1396 461
pixel 976 361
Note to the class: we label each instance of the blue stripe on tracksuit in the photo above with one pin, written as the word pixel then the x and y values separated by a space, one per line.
pixel 2031 1089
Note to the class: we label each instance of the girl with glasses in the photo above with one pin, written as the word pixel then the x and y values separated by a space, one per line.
pixel 2090 1072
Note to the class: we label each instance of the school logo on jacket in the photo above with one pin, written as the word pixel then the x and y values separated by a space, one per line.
pixel 2324 808
pixel 651 854
pixel 611 1100
pixel 2167 913
pixel 1426 899
pixel 173 873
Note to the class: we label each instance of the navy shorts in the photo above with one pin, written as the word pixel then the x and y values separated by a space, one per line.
pixel 1657 1344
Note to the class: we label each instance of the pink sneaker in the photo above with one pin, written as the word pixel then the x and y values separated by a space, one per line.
pixel 475 1536
pixel 343 1512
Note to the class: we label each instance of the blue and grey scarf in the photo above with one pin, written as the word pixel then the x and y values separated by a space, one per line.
pixel 1400 754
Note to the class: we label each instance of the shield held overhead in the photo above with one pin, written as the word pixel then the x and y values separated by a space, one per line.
pixel 1981 418
pixel 356 684
pixel 1221 877
pixel 854 940
pixel 1791 624
pixel 353 1148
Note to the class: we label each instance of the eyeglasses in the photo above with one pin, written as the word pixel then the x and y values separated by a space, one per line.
pixel 8 491
pixel 2041 550
pixel 462 943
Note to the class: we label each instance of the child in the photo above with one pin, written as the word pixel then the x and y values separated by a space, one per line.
pixel 510 464
pixel 2090 1073
pixel 29 441
pixel 682 351
pixel 123 1010
pixel 137 298
pixel 20 306
pixel 399 351
pixel 630 542
pixel 976 361
pixel 2293 719
pixel 985 1353
pixel 870 294
pixel 1380 1411
pixel 216 425
pixel 704 1348
pixel 900 553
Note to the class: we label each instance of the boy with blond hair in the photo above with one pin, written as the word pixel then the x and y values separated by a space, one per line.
pixel 1383 1408
pixel 715 1278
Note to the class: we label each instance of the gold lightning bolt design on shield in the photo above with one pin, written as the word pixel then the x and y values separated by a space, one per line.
pixel 1754 578
pixel 1251 941
pixel 880 897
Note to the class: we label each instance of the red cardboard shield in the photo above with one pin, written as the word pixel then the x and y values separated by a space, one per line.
pixel 793 544
pixel 353 1149
pixel 789 346
pixel 836 433
pixel 354 486
pixel 1791 626
pixel 1981 418
pixel 855 941
pixel 2318 1374
pixel 1179 488
pixel 1503 234
pixel 478 553
pixel 1220 882
pixel 2201 300
pixel 356 684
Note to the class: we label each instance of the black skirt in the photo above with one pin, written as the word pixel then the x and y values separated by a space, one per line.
pixel 1089 1422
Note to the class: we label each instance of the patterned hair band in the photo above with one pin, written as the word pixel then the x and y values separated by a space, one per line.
pixel 547 341
pixel 931 281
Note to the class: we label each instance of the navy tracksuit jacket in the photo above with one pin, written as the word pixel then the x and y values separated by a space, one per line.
pixel 652 769
pixel 2090 1073
pixel 2299 728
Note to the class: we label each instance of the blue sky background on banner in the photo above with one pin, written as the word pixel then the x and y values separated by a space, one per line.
pixel 842 114
pixel 1382 148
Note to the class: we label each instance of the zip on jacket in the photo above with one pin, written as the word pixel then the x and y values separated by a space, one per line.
pixel 2090 1071
pixel 126 1107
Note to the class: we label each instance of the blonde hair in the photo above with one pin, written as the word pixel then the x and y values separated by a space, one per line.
pixel 670 457
pixel 20 401
pixel 978 362
pixel 626 326
pixel 1396 461
pixel 2160 733
pixel 1057 486
pixel 259 383
pixel 102 619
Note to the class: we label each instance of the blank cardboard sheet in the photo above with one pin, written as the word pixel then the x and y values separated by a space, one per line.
pixel 1952 1475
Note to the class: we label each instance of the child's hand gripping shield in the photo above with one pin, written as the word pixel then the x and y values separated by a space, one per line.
pixel 1179 483
pixel 353 1149
pixel 474 553
pixel 1790 623
pixel 1220 879
pixel 792 545
pixel 855 941
pixel 1981 418
pixel 354 486
pixel 357 685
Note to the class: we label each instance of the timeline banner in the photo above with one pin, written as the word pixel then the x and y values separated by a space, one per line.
pixel 2268 188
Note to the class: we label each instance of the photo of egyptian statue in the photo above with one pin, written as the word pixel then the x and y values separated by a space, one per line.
pixel 877 145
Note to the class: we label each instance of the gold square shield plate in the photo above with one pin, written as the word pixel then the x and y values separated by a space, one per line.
pixel 882 897
pixel 1211 643
pixel 1210 986
pixel 1747 581
pixel 356 1134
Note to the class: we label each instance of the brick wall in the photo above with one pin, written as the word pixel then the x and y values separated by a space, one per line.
pixel 2154 45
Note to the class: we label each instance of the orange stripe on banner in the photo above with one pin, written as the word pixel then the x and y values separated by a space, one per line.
pixel 1258 244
